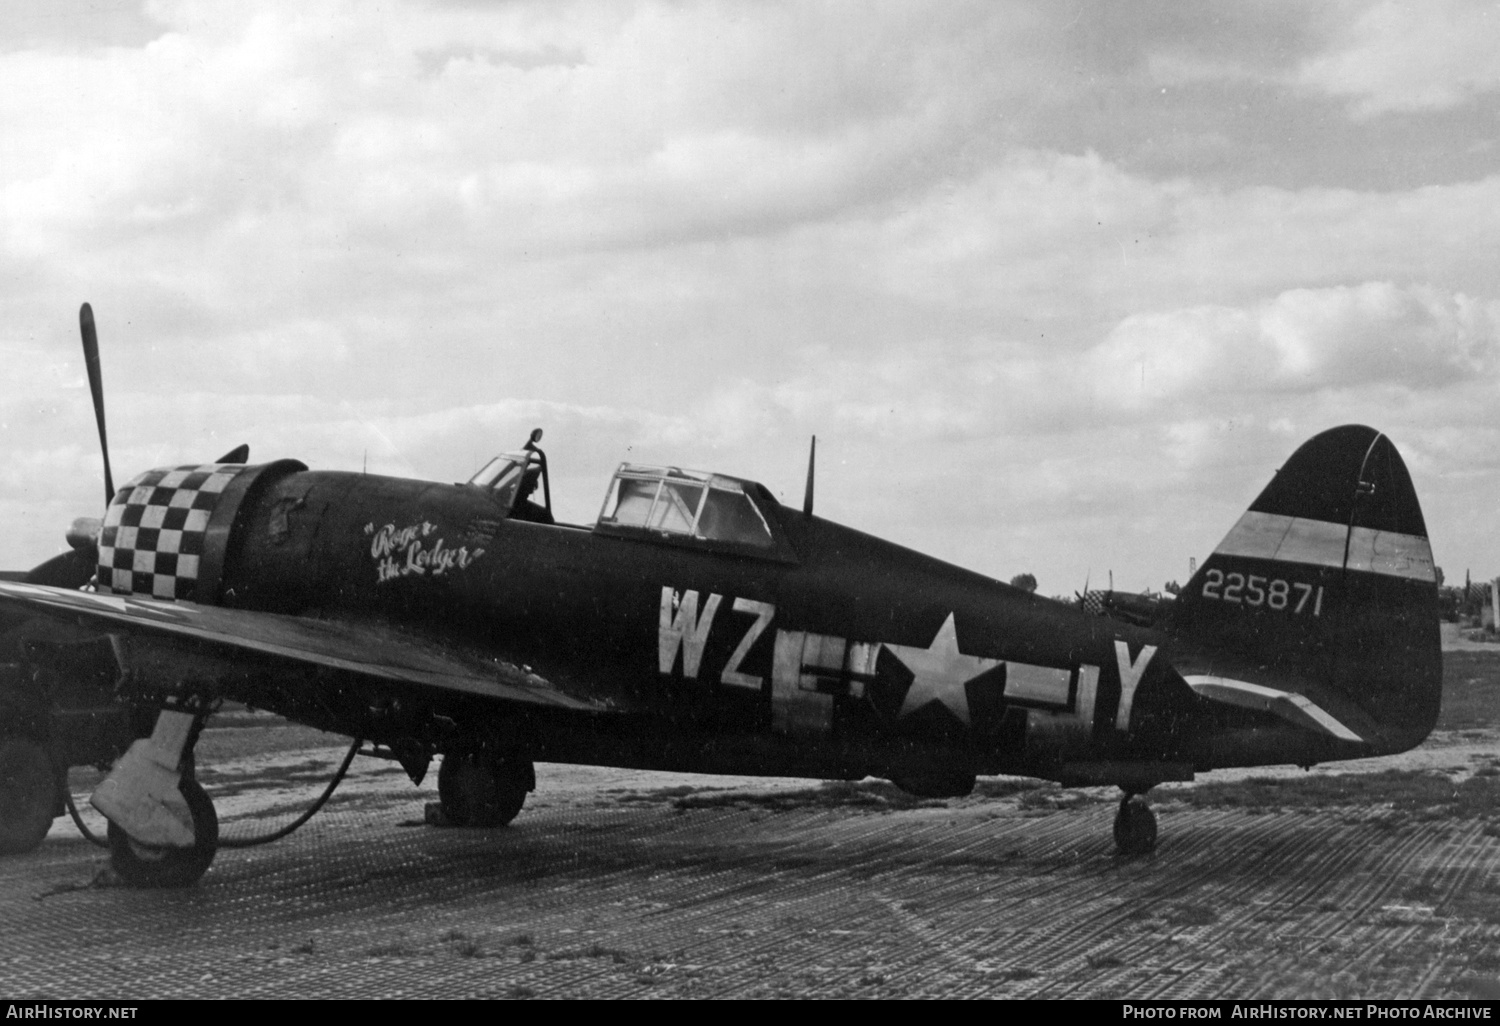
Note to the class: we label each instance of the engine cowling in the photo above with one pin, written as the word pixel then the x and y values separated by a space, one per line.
pixel 166 532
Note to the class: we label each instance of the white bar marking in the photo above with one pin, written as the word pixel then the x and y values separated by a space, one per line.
pixel 1045 684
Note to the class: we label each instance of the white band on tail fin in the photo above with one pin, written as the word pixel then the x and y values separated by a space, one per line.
pixel 1321 543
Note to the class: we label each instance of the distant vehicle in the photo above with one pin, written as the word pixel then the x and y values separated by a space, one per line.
pixel 700 625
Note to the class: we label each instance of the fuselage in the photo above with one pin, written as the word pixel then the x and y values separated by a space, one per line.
pixel 826 652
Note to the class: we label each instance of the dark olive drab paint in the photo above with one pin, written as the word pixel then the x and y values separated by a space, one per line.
pixel 582 609
pixel 1371 654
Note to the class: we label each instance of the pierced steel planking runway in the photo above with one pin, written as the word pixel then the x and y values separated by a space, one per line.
pixel 616 884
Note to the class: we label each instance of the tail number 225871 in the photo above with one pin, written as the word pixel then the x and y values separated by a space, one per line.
pixel 1255 590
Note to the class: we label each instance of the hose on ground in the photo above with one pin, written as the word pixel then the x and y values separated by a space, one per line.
pixel 244 842
pixel 276 835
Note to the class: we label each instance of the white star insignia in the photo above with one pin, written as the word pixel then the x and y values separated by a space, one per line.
pixel 940 671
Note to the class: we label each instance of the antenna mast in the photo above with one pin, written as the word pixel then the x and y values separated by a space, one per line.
pixel 812 457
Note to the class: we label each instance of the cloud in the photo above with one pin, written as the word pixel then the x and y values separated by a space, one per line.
pixel 1378 56
pixel 402 236
pixel 340 115
pixel 1303 340
pixel 1395 56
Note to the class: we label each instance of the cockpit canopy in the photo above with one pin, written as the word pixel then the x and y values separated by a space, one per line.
pixel 664 504
pixel 684 504
pixel 503 474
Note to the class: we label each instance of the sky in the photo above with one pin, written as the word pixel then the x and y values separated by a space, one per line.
pixel 1057 284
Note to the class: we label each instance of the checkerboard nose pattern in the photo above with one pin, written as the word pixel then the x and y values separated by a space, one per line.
pixel 155 528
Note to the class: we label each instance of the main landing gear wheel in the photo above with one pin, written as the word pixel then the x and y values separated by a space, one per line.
pixel 1135 827
pixel 477 791
pixel 141 865
pixel 28 795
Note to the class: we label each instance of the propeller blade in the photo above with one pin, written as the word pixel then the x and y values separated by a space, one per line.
pixel 239 454
pixel 96 388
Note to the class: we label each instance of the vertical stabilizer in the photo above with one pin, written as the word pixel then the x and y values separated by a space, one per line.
pixel 1325 593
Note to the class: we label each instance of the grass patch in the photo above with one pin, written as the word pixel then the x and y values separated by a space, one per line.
pixel 658 795
pixel 1049 797
pixel 1471 690
pixel 308 771
pixel 595 950
pixel 1187 914
pixel 1006 787
pixel 873 795
pixel 1417 795
pixel 395 949
pixel 265 739
pixel 461 944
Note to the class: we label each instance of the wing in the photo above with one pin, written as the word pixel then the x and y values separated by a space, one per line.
pixel 367 649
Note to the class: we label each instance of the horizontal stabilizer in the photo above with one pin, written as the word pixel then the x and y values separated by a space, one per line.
pixel 1289 706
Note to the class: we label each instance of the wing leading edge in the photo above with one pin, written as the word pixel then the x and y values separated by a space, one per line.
pixel 370 650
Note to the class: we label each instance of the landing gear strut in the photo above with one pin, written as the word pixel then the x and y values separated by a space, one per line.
pixel 163 831
pixel 1135 827
pixel 481 790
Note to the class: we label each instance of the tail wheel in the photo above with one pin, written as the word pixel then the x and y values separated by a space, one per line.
pixel 1135 827
pixel 28 795
pixel 481 791
pixel 141 865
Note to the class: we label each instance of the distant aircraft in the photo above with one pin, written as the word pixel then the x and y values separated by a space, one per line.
pixel 1141 608
pixel 698 625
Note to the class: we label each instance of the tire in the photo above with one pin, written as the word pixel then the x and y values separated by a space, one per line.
pixel 1135 828
pixel 28 795
pixel 140 865
pixel 483 792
